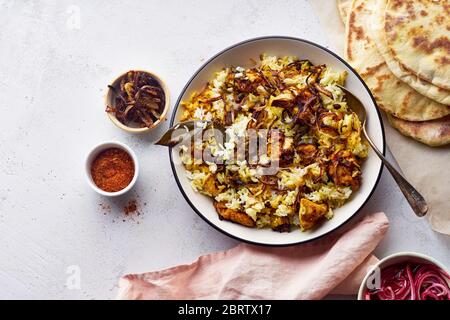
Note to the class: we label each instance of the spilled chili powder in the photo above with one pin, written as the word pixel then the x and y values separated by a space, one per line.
pixel 131 207
pixel 112 170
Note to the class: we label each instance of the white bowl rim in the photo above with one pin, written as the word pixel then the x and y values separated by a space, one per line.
pixel 206 63
pixel 406 254
pixel 103 146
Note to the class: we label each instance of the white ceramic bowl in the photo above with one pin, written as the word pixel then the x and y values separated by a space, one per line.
pixel 400 257
pixel 93 154
pixel 240 55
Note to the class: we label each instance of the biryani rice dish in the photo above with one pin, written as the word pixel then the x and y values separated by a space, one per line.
pixel 316 138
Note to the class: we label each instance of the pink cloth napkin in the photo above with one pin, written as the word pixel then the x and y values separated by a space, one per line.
pixel 333 264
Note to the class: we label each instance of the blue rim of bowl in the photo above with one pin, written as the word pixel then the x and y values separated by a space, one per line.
pixel 177 104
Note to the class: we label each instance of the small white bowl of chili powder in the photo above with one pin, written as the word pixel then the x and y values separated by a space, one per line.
pixel 112 168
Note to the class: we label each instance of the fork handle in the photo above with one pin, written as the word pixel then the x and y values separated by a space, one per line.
pixel 414 198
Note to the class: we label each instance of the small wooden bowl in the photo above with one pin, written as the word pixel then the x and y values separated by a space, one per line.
pixel 109 101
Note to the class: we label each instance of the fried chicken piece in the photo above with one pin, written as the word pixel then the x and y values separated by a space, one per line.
pixel 233 215
pixel 283 146
pixel 210 186
pixel 344 170
pixel 310 212
pixel 307 153
pixel 287 151
pixel 280 224
pixel 342 175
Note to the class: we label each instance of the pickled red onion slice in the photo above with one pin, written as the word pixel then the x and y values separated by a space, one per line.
pixel 407 281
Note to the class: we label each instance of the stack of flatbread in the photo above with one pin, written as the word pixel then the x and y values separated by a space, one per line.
pixel 401 48
pixel 417 106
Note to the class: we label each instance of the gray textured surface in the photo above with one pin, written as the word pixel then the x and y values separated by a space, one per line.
pixel 53 73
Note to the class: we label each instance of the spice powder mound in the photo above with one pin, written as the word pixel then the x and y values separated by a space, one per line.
pixel 131 207
pixel 112 170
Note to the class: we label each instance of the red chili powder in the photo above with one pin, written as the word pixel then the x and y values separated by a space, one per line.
pixel 112 170
pixel 131 207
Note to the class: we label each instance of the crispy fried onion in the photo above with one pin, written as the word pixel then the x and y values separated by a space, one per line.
pixel 139 99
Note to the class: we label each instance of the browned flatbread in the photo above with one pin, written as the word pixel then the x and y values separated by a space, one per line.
pixel 392 95
pixel 407 110
pixel 424 87
pixel 344 8
pixel 433 133
pixel 418 37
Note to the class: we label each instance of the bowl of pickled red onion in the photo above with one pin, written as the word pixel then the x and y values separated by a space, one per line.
pixel 406 276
